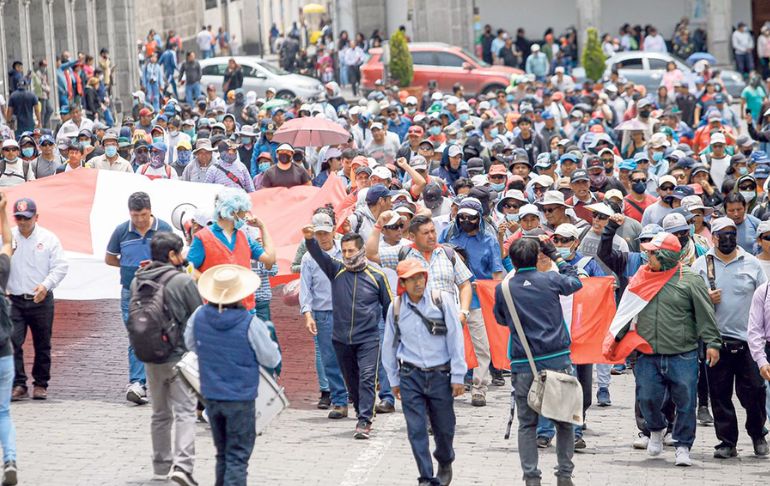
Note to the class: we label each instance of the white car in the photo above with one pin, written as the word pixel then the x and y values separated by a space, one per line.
pixel 258 75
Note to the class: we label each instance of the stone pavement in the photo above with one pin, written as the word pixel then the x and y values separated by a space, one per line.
pixel 86 434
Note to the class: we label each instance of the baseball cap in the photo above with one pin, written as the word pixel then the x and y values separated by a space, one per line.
pixel 675 222
pixel 529 209
pixel 569 157
pixel 25 208
pixel 203 144
pixel 643 102
pixel 714 115
pixel 376 192
pixel 717 138
pixel 580 175
pixel 695 202
pixel 454 151
pixel 184 144
pixel 470 206
pixel 145 112
pixel 323 222
pixel 681 192
pixel 719 224
pixel 432 195
pixel 382 172
pixel 376 126
pixel 363 169
pixel 108 135
pixel 762 171
pixel 475 164
pixel 649 231
pixel 662 241
pixel 600 208
pixel 659 140
pixel 567 230
pixel 543 180
pixel 418 162
pixel 763 228
pixel 594 163
pixel 285 147
pixel 641 157
pixel 544 161
pixel 613 193
pixel 667 178
pixel 410 267
pixel 160 146
pixel 10 143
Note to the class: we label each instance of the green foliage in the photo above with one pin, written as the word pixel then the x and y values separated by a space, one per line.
pixel 593 57
pixel 400 66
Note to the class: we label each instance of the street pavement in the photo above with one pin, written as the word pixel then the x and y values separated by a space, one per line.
pixel 87 434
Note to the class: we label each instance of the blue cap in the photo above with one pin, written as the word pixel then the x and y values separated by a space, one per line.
pixel 547 115
pixel 762 171
pixel 650 231
pixel 470 205
pixel 759 157
pixel 627 164
pixel 719 98
pixel 46 139
pixel 25 208
pixel 544 160
pixel 680 192
pixel 686 162
pixel 569 156
pixel 641 156
pixel 161 146
pixel 376 192
pixel 161 117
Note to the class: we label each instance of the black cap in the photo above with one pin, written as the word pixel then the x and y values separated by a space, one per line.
pixel 432 195
pixel 579 175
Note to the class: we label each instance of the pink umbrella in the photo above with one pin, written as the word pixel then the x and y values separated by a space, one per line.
pixel 632 125
pixel 311 132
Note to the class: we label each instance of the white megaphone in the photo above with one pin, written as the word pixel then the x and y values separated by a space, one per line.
pixel 182 216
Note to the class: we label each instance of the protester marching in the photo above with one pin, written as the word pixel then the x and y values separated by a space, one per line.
pixel 449 247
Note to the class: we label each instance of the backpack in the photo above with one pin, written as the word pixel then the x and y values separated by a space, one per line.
pixel 24 170
pixel 403 252
pixel 153 333
pixel 6 324
pixel 436 328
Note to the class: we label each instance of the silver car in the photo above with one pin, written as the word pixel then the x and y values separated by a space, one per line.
pixel 258 75
pixel 647 68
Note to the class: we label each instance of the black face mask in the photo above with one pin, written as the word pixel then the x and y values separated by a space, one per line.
pixel 727 243
pixel 639 187
pixel 747 153
pixel 644 113
pixel 183 265
pixel 283 158
pixel 669 200
pixel 683 240
pixel 468 226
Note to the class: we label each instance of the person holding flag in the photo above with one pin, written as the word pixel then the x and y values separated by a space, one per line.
pixel 672 310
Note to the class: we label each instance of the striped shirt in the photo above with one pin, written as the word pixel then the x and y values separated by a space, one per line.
pixel 214 175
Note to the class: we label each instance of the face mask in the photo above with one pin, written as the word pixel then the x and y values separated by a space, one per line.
pixel 227 157
pixel 509 98
pixel 283 158
pixel 645 257
pixel 644 114
pixel 598 180
pixel 110 151
pixel 727 243
pixel 263 166
pixel 125 154
pixel 499 187
pixel 435 131
pixel 157 139
pixel 464 117
pixel 468 226
pixel 173 133
pixel 28 151
pixel 85 145
pixel 183 157
pixel 239 223
pixel 357 262
pixel 692 230
pixel 669 200
pixel 657 156
pixel 683 241
pixel 156 160
pixel 410 111
pixel 564 252
pixel 190 133
pixel 747 153
pixel 493 133
pixel 743 170
pixel 220 118
pixel 245 141
pixel 639 187
pixel 748 195
pixel 512 217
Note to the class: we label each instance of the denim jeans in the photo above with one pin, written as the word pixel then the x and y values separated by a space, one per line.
pixel 324 321
pixel 7 429
pixel 323 381
pixel 427 395
pixel 153 95
pixel 603 375
pixel 135 367
pixel 233 428
pixel 677 375
pixel 192 92
pixel 359 363
pixel 528 454
pixel 38 318
pixel 545 426
pixel 382 377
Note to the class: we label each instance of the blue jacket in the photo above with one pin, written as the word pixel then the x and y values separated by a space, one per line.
pixel 263 145
pixel 230 376
pixel 401 128
pixel 360 299
pixel 543 323
pixel 168 61
pixel 449 175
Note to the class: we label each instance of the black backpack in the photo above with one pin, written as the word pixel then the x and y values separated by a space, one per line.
pixel 6 325
pixel 24 168
pixel 152 331
pixel 403 252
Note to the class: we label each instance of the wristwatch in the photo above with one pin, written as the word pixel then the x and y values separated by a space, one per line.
pixel 466 313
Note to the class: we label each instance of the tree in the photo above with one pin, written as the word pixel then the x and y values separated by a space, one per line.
pixel 593 56
pixel 400 66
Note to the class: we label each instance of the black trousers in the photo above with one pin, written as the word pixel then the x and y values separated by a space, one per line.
pixel 703 383
pixel 736 369
pixel 38 318
pixel 359 365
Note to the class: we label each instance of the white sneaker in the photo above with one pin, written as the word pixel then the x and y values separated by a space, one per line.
pixel 136 393
pixel 641 441
pixel 683 456
pixel 668 440
pixel 655 445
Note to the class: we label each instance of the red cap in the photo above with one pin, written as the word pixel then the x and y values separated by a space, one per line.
pixel 498 169
pixel 145 112
pixel 408 268
pixel 663 241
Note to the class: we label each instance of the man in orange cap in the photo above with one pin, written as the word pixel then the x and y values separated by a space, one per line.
pixel 424 357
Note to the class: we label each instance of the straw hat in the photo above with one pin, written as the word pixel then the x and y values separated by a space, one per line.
pixel 226 284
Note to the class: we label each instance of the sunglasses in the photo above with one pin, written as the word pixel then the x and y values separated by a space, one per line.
pixel 683 233
pixel 726 233
pixel 467 219
pixel 645 240
pixel 560 240
pixel 765 237
pixel 496 177
pixel 21 218
pixel 666 188
pixel 512 206
pixel 10 149
pixel 549 210
pixel 396 226
pixel 748 188
pixel 601 217
pixel 142 151
pixel 643 181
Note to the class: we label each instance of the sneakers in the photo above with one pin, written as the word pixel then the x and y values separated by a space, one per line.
pixel 385 407
pixel 179 476
pixel 704 417
pixel 641 441
pixel 363 429
pixel 478 400
pixel 668 440
pixel 580 444
pixel 338 412
pixel 562 481
pixel 682 457
pixel 603 397
pixel 136 393
pixel 9 474
pixel 325 401
pixel 497 378
pixel 39 393
pixel 723 451
pixel 19 393
pixel 760 447
pixel 543 442
pixel 655 445
pixel 444 474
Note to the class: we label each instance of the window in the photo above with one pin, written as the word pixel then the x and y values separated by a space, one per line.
pixel 657 64
pixel 211 4
pixel 250 72
pixel 214 70
pixel 631 63
pixel 423 58
pixel 447 59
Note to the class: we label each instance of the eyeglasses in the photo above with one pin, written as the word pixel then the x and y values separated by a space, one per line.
pixel 21 218
pixel 511 206
pixel 601 216
pixel 11 149
pixel 467 219
pixel 496 177
pixel 560 240
pixel 396 226
pixel 726 233
pixel 607 161
pixel 666 188
pixel 747 188
pixel 549 210
pixel 645 240
pixel 765 237
pixel 643 181
pixel 682 234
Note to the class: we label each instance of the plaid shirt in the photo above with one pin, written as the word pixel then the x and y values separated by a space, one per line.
pixel 264 293
pixel 442 274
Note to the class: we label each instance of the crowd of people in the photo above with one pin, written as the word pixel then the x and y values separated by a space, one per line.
pixel 545 183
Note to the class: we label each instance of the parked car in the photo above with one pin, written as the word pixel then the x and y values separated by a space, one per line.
pixel 647 68
pixel 258 75
pixel 446 65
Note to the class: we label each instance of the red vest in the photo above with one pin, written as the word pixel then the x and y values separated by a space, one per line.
pixel 218 254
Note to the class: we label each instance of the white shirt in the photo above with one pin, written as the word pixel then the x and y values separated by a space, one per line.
pixel 13 175
pixel 203 39
pixel 69 125
pixel 743 43
pixel 37 259
pixel 655 43
pixel 162 172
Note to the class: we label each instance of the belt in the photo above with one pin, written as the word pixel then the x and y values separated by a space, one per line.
pixel 24 296
pixel 406 366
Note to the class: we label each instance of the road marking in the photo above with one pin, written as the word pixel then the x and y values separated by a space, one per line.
pixel 358 473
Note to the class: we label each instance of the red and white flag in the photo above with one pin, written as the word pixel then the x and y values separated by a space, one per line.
pixel 642 288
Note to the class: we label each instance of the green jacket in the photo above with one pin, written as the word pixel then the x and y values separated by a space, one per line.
pixel 679 315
